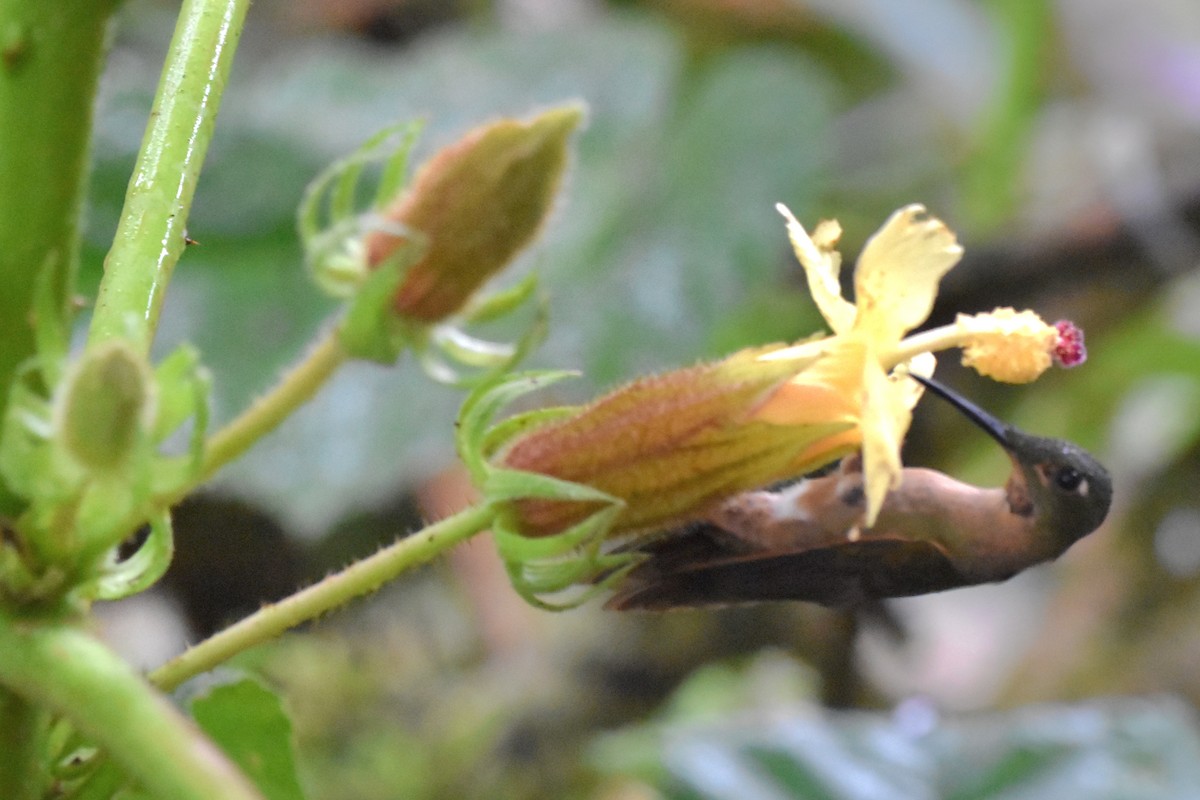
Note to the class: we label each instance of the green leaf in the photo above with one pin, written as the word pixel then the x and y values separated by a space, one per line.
pixel 1103 750
pixel 991 177
pixel 247 721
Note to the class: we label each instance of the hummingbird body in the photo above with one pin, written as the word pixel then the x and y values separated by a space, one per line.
pixel 805 541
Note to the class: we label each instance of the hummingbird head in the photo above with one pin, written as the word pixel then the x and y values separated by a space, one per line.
pixel 1062 486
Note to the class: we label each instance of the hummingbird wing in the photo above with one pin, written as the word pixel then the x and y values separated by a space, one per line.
pixel 705 566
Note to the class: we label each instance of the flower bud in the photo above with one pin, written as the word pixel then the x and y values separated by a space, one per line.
pixel 106 403
pixel 669 446
pixel 475 205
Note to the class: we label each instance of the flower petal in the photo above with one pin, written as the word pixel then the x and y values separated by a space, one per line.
pixel 897 276
pixel 821 264
pixel 828 390
pixel 886 414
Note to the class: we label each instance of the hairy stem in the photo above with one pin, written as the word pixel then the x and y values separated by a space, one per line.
pixel 267 412
pixel 358 579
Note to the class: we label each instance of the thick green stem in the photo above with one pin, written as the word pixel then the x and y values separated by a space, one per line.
pixel 62 669
pixel 150 235
pixel 22 775
pixel 51 56
pixel 358 579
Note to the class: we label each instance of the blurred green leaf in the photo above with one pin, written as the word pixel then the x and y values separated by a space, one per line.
pixel 991 174
pixel 248 722
pixel 1121 749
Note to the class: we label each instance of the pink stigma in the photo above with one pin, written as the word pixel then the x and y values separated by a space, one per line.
pixel 1069 350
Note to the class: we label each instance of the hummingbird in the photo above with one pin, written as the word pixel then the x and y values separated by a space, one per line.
pixel 806 542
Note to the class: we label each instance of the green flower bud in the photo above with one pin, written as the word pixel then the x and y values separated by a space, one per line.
pixel 106 404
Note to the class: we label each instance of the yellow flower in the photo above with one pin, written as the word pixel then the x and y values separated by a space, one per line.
pixel 669 447
pixel 895 284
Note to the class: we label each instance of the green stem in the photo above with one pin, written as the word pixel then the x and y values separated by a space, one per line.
pixel 264 415
pixel 51 57
pixel 150 235
pixel 358 579
pixel 22 776
pixel 68 672
pixel 267 412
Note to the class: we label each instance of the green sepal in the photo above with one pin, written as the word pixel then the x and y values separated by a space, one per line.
pixel 513 484
pixel 26 461
pixel 446 349
pixel 502 302
pixel 553 564
pixel 545 565
pixel 139 571
pixel 371 330
pixel 470 351
pixel 502 432
pixel 329 225
pixel 183 386
pixel 484 403
pixel 105 506
pixel 51 331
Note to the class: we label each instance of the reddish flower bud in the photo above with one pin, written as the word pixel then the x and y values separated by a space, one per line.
pixel 475 204
pixel 669 446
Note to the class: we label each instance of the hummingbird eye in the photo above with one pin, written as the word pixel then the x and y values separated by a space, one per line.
pixel 1068 479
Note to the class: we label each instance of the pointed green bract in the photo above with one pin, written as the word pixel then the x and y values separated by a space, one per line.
pixel 331 227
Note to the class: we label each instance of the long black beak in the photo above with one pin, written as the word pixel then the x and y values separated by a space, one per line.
pixel 1000 431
